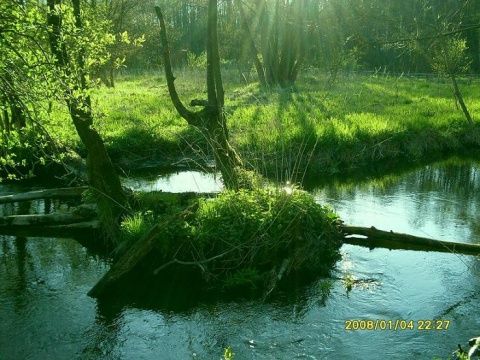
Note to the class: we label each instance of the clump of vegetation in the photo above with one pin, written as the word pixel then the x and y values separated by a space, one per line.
pixel 148 208
pixel 134 226
pixel 228 354
pixel 253 237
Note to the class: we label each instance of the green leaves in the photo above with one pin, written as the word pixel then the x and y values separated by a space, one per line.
pixel 254 229
pixel 450 56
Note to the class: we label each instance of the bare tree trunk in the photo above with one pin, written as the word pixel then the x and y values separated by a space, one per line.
pixel 211 119
pixel 251 45
pixel 283 43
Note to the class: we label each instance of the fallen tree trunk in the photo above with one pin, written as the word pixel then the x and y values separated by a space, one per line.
pixel 61 193
pixel 80 231
pixel 390 240
pixel 136 254
pixel 77 215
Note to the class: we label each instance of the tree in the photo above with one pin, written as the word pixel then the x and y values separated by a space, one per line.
pixel 282 25
pixel 117 19
pixel 70 61
pixel 24 89
pixel 450 59
pixel 211 119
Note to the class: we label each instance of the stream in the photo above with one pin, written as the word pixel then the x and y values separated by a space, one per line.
pixel 46 314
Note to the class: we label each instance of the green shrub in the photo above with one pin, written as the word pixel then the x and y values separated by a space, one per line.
pixel 243 238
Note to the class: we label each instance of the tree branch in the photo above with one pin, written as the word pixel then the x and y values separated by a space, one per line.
pixel 197 263
pixel 426 37
pixel 191 117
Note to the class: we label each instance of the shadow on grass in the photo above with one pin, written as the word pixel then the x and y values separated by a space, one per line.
pixel 138 145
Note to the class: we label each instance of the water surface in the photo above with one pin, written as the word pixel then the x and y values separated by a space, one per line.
pixel 45 312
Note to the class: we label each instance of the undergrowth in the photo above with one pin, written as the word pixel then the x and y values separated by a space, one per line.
pixel 249 237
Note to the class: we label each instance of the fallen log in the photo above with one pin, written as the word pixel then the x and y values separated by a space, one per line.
pixel 76 215
pixel 60 193
pixel 136 254
pixel 80 231
pixel 374 238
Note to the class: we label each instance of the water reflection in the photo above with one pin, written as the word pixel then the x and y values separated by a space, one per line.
pixel 177 182
pixel 43 303
pixel 438 201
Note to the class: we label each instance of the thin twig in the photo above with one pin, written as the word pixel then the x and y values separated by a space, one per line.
pixel 197 263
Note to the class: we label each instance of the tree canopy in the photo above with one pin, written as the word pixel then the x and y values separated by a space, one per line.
pixel 367 34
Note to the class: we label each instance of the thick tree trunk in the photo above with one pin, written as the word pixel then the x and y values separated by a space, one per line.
pixel 283 43
pixel 102 177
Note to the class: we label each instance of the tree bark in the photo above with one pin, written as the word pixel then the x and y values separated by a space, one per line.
pixel 390 240
pixel 211 119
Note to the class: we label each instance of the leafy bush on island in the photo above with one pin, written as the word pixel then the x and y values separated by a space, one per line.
pixel 252 237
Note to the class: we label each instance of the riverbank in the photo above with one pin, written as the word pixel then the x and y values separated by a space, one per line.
pixel 324 127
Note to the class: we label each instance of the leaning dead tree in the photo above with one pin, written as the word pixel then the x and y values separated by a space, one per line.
pixel 211 120
pixel 450 69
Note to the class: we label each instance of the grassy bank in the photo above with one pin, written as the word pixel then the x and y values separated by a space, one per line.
pixel 354 122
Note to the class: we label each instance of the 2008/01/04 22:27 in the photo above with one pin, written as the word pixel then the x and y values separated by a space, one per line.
pixel 397 324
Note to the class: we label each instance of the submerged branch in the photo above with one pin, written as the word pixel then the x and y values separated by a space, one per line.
pixel 195 263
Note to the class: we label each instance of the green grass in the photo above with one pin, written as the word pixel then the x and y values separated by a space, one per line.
pixel 344 126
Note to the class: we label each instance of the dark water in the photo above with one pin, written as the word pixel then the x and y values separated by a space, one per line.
pixel 45 313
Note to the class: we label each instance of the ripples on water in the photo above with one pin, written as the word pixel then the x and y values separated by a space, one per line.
pixel 46 314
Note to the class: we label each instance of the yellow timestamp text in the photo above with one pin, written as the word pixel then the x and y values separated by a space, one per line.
pixel 395 325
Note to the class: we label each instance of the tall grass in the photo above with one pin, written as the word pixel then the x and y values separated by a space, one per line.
pixel 281 132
